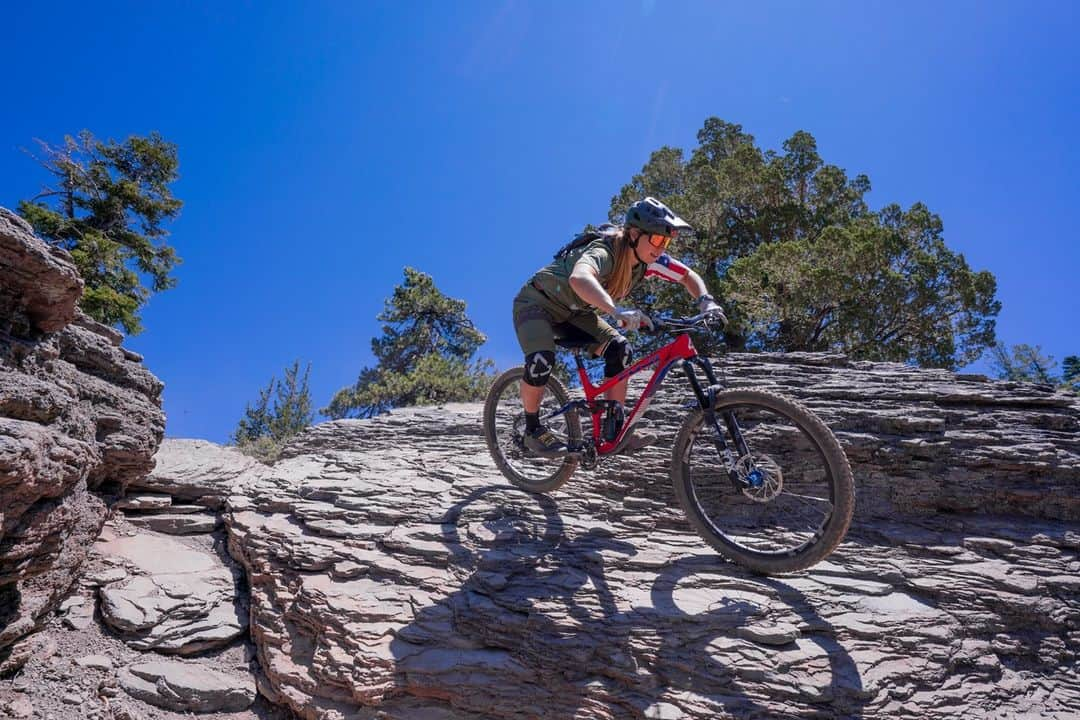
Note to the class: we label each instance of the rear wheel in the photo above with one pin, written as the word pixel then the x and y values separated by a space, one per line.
pixel 796 493
pixel 504 431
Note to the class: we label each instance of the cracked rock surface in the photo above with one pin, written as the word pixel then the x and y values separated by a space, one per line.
pixel 78 667
pixel 394 571
pixel 80 417
pixel 177 599
pixel 177 686
pixel 195 471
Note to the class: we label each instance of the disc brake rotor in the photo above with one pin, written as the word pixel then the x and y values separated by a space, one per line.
pixel 761 477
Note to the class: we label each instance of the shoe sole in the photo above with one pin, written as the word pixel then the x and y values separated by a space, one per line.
pixel 546 454
pixel 549 454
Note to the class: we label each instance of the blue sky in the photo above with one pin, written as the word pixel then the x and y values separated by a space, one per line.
pixel 325 146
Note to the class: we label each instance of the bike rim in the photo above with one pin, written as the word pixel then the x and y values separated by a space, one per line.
pixel 509 434
pixel 791 499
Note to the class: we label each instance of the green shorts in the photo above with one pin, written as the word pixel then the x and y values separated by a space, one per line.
pixel 535 318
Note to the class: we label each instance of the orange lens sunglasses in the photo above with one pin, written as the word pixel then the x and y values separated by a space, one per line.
pixel 659 241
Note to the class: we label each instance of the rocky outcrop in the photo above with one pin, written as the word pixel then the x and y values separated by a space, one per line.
pixel 197 471
pixel 393 570
pixel 40 285
pixel 176 599
pixel 178 686
pixel 80 417
pixel 176 596
pixel 154 620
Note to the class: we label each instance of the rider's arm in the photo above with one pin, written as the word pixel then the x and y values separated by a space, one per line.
pixel 694 284
pixel 585 281
pixel 706 304
pixel 669 269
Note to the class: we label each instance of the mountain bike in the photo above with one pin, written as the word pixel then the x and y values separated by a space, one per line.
pixel 760 477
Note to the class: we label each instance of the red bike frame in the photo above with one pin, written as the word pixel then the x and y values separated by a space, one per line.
pixel 681 348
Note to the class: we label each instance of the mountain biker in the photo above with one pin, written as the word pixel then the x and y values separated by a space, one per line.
pixel 569 294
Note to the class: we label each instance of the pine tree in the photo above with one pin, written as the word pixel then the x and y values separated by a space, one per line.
pixel 424 355
pixel 1024 363
pixel 266 428
pixel 107 208
pixel 1070 373
pixel 788 244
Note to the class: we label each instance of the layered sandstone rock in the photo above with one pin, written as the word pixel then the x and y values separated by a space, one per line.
pixel 144 595
pixel 394 571
pixel 196 471
pixel 180 686
pixel 80 417
pixel 176 600
pixel 395 574
pixel 40 286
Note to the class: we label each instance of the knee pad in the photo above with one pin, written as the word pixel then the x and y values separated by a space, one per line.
pixel 538 366
pixel 617 356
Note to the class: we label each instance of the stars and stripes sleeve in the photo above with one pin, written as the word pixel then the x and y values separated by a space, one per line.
pixel 667 268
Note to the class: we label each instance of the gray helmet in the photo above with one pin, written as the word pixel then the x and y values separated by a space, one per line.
pixel 653 216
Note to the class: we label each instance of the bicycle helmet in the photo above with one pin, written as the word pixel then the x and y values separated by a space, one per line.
pixel 653 216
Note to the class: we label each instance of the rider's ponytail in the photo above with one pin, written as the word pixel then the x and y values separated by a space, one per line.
pixel 618 282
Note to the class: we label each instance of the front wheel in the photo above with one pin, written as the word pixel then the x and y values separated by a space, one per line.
pixel 504 431
pixel 792 497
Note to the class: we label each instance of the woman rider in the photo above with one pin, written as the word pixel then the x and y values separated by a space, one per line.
pixel 587 281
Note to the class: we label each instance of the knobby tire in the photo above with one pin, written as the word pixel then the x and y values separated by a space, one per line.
pixel 499 434
pixel 818 440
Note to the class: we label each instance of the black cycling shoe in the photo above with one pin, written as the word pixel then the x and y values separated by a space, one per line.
pixel 544 443
pixel 635 440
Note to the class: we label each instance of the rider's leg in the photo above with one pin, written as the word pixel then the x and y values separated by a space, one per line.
pixel 533 324
pixel 538 367
pixel 531 397
pixel 538 438
pixel 536 336
pixel 617 355
pixel 617 391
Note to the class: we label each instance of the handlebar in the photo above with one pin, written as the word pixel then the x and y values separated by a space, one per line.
pixel 699 322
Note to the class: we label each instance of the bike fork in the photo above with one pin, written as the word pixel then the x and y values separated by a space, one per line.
pixel 707 399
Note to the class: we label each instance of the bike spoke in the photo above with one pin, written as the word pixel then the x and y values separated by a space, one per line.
pixel 784 510
pixel 804 498
pixel 508 429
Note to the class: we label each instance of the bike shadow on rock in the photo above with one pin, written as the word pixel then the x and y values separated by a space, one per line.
pixel 759 647
pixel 550 618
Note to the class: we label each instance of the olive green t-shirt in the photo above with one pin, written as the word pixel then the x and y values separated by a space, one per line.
pixel 554 280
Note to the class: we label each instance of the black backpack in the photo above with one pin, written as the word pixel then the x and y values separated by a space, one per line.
pixel 606 232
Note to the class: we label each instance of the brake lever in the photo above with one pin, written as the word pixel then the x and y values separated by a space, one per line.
pixel 655 329
pixel 701 321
